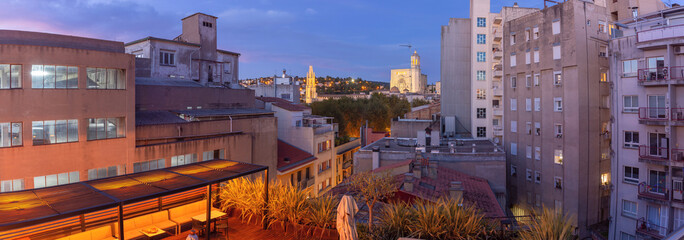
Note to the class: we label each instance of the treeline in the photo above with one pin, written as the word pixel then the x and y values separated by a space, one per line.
pixel 351 114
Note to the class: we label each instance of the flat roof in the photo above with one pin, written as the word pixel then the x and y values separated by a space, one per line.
pixel 35 206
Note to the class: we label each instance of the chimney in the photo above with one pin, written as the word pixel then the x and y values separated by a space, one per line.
pixel 456 191
pixel 375 158
pixel 433 169
pixel 408 182
pixel 417 170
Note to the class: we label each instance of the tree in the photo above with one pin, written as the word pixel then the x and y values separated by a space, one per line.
pixel 372 188
pixel 549 225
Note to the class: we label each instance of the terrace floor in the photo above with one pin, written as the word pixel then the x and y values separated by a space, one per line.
pixel 239 230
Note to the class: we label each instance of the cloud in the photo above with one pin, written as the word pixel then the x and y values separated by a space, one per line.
pixel 310 11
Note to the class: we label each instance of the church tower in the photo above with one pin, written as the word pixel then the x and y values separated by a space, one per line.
pixel 310 86
pixel 416 87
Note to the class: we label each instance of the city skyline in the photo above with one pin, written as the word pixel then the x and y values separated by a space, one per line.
pixel 345 39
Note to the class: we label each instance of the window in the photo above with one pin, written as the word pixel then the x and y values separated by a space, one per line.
pixel 602 26
pixel 537 128
pixel 528 104
pixel 514 149
pixel 558 156
pixel 528 175
pixel 481 113
pixel 528 151
pixel 104 128
pixel 481 131
pixel 149 165
pixel 527 57
pixel 556 27
pixel 183 159
pixel 537 104
pixel 10 134
pixel 514 126
pixel 513 60
pixel 51 76
pixel 104 172
pixel 12 185
pixel 536 80
pixel 481 22
pixel 627 236
pixel 537 153
pixel 514 82
pixel 514 171
pixel 631 104
pixel 528 128
pixel 106 78
pixel 514 104
pixel 512 39
pixel 54 131
pixel 557 104
pixel 528 81
pixel 536 56
pixel 558 182
pixel 481 57
pixel 631 139
pixel 537 177
pixel 528 35
pixel 481 75
pixel 559 130
pixel 535 32
pixel 167 58
pixel 631 175
pixel 556 51
pixel 481 39
pixel 630 68
pixel 10 76
pixel 557 78
pixel 481 94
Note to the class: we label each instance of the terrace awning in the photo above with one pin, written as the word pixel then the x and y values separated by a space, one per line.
pixel 35 206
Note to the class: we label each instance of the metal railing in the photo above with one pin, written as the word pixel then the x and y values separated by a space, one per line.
pixel 649 228
pixel 653 74
pixel 649 113
pixel 654 153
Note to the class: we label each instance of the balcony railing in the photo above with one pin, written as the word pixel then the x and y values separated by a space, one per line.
pixel 661 33
pixel 655 192
pixel 653 153
pixel 648 113
pixel 653 74
pixel 646 227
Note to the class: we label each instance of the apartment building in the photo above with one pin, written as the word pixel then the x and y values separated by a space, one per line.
pixel 471 106
pixel 310 133
pixel 68 111
pixel 647 72
pixel 557 112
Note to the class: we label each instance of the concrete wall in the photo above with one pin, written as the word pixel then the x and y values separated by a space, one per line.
pixel 153 97
pixel 455 64
pixel 27 104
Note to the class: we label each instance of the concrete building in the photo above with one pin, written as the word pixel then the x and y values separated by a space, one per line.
pixel 285 87
pixel 310 133
pixel 409 80
pixel 479 158
pixel 646 57
pixel 192 55
pixel 557 117
pixel 311 93
pixel 69 109
pixel 471 72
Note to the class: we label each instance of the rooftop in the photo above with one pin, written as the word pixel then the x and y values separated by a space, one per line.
pixel 296 156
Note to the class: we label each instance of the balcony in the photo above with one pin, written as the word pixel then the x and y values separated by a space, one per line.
pixel 654 155
pixel 498 131
pixel 651 37
pixel 653 193
pixel 653 116
pixel 650 229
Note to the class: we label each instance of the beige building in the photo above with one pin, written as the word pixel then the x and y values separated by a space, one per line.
pixel 647 59
pixel 409 80
pixel 556 100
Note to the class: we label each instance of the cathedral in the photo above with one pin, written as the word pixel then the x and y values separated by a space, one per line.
pixel 409 80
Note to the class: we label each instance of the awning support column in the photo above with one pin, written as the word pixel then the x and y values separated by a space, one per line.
pixel 208 229
pixel 121 222
pixel 265 200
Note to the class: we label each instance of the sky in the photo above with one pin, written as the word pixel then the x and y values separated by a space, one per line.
pixel 339 38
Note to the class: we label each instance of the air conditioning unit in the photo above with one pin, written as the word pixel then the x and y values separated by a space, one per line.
pixel 679 50
pixel 677 189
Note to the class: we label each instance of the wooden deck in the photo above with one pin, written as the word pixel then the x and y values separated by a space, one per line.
pixel 238 230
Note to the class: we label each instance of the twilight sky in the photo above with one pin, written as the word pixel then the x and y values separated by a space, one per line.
pixel 356 38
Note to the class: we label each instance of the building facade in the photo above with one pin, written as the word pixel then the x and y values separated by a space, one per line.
pixel 70 109
pixel 409 80
pixel 646 70
pixel 557 115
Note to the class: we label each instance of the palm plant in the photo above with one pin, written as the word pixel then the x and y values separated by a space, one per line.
pixel 549 225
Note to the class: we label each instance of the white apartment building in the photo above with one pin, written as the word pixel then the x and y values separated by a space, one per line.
pixel 647 71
